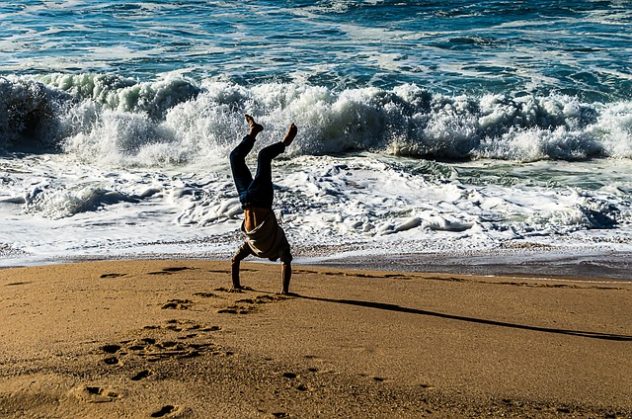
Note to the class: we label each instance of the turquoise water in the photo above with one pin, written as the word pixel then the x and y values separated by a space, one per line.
pixel 578 48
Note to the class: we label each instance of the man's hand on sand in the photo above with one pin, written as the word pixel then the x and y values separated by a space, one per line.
pixel 289 136
pixel 253 126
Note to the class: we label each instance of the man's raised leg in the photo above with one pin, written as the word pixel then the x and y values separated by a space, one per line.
pixel 263 178
pixel 241 173
pixel 290 134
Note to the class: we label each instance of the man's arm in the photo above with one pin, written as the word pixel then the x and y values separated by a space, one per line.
pixel 243 252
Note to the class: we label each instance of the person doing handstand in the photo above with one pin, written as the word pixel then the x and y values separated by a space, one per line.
pixel 263 237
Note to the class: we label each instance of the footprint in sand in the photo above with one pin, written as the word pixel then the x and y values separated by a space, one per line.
pixel 170 270
pixel 189 336
pixel 183 347
pixel 205 294
pixel 245 301
pixel 95 394
pixel 232 290
pixel 176 304
pixel 178 326
pixel 164 411
pixel 112 360
pixel 174 327
pixel 141 375
pixel 111 349
pixel 236 309
pixel 111 275
pixel 211 329
pixel 193 342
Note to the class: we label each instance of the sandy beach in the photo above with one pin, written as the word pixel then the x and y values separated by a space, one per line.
pixel 166 339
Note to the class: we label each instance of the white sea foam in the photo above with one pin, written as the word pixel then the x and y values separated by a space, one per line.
pixel 175 120
pixel 55 207
pixel 142 167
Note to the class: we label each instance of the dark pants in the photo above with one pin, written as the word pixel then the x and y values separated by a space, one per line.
pixel 255 192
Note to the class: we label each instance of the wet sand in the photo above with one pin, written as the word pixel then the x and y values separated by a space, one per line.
pixel 167 339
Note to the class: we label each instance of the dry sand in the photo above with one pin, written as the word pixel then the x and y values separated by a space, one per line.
pixel 166 339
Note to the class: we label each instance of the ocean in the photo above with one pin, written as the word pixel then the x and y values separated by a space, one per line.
pixel 428 130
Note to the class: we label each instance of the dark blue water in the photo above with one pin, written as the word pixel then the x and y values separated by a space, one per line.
pixel 576 48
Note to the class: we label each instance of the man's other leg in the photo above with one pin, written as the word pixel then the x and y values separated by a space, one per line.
pixel 241 173
pixel 286 271
pixel 287 275
pixel 266 155
pixel 261 191
pixel 242 253
pixel 264 162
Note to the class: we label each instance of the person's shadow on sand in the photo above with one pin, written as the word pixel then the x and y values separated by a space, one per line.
pixel 394 307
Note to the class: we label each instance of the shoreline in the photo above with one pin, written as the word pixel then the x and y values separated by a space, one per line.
pixel 614 266
pixel 588 265
pixel 131 338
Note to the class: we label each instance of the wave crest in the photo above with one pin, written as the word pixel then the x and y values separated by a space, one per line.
pixel 107 118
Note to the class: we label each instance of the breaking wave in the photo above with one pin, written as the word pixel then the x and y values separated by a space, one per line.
pixel 109 119
pixel 61 203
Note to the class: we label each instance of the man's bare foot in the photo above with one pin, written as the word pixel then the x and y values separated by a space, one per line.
pixel 289 136
pixel 254 127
